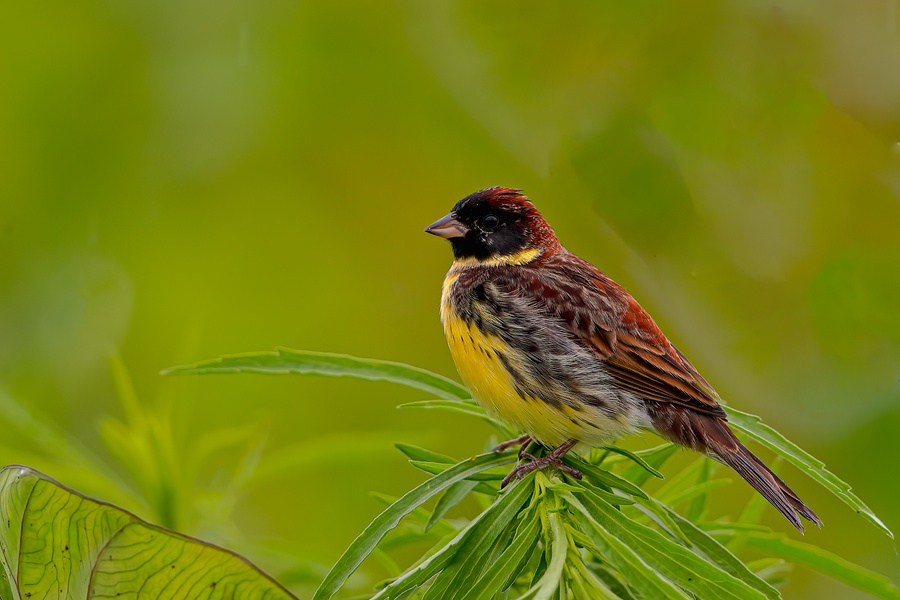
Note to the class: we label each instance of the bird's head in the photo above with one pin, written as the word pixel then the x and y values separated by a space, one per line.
pixel 496 226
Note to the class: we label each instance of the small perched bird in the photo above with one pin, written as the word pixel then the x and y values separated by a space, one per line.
pixel 551 345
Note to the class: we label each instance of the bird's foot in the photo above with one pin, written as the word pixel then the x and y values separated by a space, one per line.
pixel 522 441
pixel 554 459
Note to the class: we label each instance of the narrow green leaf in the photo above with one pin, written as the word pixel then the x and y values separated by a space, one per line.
pixel 387 520
pixel 729 528
pixel 420 516
pixel 698 504
pixel 95 550
pixel 389 564
pixel 677 564
pixel 475 551
pixel 627 563
pixel 604 477
pixel 688 494
pixel 825 562
pixel 754 509
pixel 339 450
pixel 719 554
pixel 548 585
pixel 637 459
pixel 521 569
pixel 435 467
pixel 450 498
pixel 423 454
pixel 283 361
pixel 681 480
pixel 774 571
pixel 659 514
pixel 428 568
pixel 458 406
pixel 803 460
pixel 578 585
pixel 586 577
pixel 655 457
pixel 614 580
pixel 43 433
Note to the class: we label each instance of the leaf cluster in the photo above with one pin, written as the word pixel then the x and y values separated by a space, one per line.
pixel 551 536
pixel 546 537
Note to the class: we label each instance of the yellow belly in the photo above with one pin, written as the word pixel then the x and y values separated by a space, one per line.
pixel 493 387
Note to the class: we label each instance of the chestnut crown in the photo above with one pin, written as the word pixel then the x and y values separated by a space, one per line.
pixel 495 223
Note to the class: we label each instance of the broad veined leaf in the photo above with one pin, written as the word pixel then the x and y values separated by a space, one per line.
pixel 5 589
pixel 387 520
pixel 57 543
pixel 803 460
pixel 283 361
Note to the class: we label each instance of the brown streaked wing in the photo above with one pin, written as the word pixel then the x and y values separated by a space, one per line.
pixel 607 319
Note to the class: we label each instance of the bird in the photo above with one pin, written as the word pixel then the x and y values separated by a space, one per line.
pixel 552 346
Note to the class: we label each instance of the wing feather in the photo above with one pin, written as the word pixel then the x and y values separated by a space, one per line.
pixel 602 315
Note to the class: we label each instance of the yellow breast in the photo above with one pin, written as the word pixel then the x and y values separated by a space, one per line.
pixel 477 358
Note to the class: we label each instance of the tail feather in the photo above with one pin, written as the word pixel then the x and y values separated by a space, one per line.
pixel 711 435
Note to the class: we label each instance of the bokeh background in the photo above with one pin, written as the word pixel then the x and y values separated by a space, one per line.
pixel 183 179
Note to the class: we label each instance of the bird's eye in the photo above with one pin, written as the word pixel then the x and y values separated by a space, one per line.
pixel 490 222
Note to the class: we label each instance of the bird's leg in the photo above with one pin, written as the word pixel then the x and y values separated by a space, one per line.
pixel 522 440
pixel 554 459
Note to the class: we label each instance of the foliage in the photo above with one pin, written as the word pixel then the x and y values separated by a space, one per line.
pixel 58 543
pixel 551 536
pixel 158 473
pixel 547 536
pixel 759 431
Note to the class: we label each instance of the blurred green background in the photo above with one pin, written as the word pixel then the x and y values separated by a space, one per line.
pixel 184 179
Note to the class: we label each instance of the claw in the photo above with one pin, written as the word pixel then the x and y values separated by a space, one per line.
pixel 554 459
pixel 522 440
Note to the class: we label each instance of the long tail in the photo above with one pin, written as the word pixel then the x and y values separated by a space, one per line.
pixel 710 435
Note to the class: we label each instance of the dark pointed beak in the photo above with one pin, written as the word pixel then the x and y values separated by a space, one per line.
pixel 447 227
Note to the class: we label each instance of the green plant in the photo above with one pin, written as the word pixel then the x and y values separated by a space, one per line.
pixel 58 543
pixel 551 536
pixel 545 537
